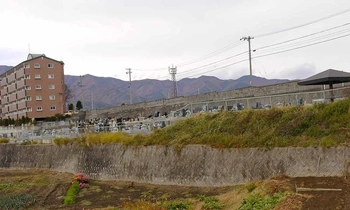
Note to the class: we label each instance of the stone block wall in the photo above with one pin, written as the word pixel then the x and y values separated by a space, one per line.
pixel 194 165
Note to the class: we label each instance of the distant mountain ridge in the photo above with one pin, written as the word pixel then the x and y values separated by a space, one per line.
pixel 100 92
pixel 109 92
pixel 4 68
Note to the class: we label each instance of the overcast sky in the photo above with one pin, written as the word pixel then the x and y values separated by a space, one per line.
pixel 103 37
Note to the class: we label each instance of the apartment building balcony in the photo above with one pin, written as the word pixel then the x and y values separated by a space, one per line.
pixel 12 107
pixel 21 105
pixel 12 98
pixel 12 88
pixel 20 73
pixel 21 94
pixel 11 78
pixel 4 92
pixel 20 84
pixel 3 82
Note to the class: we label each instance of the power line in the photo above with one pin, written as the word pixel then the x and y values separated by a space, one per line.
pixel 215 69
pixel 214 53
pixel 209 64
pixel 305 24
pixel 301 37
pixel 306 41
pixel 224 49
pixel 282 51
pixel 264 55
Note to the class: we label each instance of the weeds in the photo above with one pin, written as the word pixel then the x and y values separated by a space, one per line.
pixel 178 205
pixel 251 187
pixel 212 203
pixel 319 125
pixel 257 201
pixel 141 205
pixel 15 201
pixel 4 140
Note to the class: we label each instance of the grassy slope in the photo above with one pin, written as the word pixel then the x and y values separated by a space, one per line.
pixel 320 125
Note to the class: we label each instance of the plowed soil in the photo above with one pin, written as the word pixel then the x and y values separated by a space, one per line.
pixel 50 188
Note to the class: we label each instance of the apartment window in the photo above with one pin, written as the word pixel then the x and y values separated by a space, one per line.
pixel 51 76
pixel 39 98
pixel 28 87
pixel 39 108
pixel 50 65
pixel 52 107
pixel 51 86
pixel 38 87
pixel 27 76
pixel 52 97
pixel 28 98
pixel 37 76
pixel 29 109
pixel 26 66
pixel 37 66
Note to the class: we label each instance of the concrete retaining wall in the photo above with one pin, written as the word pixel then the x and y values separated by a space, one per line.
pixel 193 165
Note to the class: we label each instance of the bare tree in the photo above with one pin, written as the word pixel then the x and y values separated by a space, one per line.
pixel 68 94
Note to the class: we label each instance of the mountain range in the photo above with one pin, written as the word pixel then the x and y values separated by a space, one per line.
pixel 100 92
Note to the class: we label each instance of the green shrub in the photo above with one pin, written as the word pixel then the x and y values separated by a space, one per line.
pixel 63 141
pixel 251 187
pixel 178 205
pixel 211 203
pixel 259 202
pixel 72 193
pixel 4 140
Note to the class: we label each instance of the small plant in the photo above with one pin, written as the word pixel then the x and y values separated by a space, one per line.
pixel 178 205
pixel 211 203
pixel 4 140
pixel 257 201
pixel 62 141
pixel 251 187
pixel 72 193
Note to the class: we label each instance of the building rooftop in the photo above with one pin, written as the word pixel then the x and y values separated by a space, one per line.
pixel 31 56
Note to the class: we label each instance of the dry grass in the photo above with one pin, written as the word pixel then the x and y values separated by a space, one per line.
pixel 322 125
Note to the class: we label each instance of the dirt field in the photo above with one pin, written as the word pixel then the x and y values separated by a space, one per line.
pixel 50 188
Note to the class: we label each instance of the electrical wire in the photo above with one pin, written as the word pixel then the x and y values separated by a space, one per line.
pixel 306 41
pixel 278 48
pixel 269 54
pixel 215 69
pixel 214 53
pixel 301 37
pixel 224 49
pixel 219 61
pixel 304 24
pixel 320 42
pixel 237 43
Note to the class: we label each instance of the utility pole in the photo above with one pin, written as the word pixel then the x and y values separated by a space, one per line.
pixel 80 84
pixel 248 38
pixel 129 72
pixel 172 72
pixel 92 101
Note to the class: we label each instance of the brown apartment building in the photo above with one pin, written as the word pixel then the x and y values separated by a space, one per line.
pixel 34 88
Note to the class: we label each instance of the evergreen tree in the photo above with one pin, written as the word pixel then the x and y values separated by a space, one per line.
pixel 79 105
pixel 70 106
